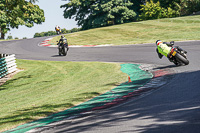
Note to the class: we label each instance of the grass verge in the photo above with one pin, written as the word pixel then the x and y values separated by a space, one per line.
pixel 177 29
pixel 46 87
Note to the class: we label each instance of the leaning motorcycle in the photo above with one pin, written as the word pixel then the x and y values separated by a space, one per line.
pixel 177 56
pixel 62 49
pixel 58 31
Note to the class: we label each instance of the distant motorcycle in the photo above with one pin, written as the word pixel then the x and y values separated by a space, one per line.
pixel 62 49
pixel 58 31
pixel 177 55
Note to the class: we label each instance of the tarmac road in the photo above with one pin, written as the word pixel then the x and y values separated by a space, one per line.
pixel 173 108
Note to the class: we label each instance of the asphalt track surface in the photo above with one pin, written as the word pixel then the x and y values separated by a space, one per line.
pixel 172 108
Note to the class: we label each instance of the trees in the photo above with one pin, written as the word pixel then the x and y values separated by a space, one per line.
pixel 19 12
pixel 50 33
pixel 9 37
pixel 184 7
pixel 97 13
pixel 153 10
pixel 3 20
pixel 65 31
pixel 137 6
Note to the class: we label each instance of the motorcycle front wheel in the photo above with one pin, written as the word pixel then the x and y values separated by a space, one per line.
pixel 181 59
pixel 59 51
pixel 64 51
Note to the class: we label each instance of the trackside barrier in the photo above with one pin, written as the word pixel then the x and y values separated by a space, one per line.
pixel 7 64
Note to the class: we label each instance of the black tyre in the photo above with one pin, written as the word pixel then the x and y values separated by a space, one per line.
pixel 59 52
pixel 64 51
pixel 181 59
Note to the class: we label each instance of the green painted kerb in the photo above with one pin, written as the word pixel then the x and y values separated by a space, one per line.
pixel 138 77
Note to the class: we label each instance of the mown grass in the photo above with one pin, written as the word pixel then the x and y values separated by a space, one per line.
pixel 46 87
pixel 177 29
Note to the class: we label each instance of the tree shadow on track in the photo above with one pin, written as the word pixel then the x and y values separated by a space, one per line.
pixel 173 108
pixel 92 104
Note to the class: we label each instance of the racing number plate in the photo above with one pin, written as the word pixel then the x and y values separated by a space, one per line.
pixel 174 53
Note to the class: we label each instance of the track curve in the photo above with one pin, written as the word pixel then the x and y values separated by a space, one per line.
pixel 174 107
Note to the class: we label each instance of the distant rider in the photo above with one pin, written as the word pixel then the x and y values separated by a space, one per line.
pixel 57 28
pixel 165 49
pixel 63 41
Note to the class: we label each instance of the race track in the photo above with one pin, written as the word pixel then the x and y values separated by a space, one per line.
pixel 174 107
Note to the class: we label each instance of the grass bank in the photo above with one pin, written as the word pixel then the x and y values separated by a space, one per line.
pixel 177 29
pixel 46 87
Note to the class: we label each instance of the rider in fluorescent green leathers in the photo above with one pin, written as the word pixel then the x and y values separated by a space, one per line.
pixel 165 49
pixel 162 49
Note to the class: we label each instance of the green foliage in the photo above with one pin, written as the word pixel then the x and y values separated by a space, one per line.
pixel 184 7
pixel 166 3
pixel 65 31
pixel 137 6
pixel 9 37
pixel 51 33
pixel 75 30
pixel 153 10
pixel 19 12
pixel 92 14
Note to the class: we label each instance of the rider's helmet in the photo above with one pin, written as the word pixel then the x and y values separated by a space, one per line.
pixel 62 36
pixel 158 42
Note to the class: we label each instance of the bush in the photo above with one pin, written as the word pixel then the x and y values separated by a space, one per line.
pixel 153 10
pixel 50 33
pixel 187 7
pixel 64 31
pixel 9 37
pixel 75 30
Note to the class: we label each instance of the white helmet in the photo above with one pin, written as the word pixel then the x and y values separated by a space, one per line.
pixel 158 42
